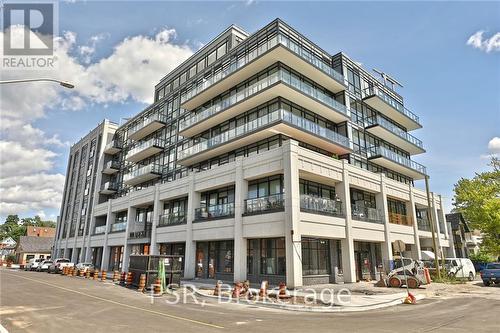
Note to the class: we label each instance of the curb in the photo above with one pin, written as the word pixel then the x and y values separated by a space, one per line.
pixel 300 308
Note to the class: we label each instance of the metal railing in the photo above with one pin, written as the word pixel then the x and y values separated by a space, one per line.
pixel 151 168
pixel 118 226
pixel 145 122
pixel 275 202
pixel 113 144
pixel 109 186
pixel 384 152
pixel 144 233
pixel 113 164
pixel 309 203
pixel 256 88
pixel 367 214
pixel 401 219
pixel 172 219
pixel 279 115
pixel 100 230
pixel 214 212
pixel 378 120
pixel 281 39
pixel 376 91
pixel 154 142
pixel 423 224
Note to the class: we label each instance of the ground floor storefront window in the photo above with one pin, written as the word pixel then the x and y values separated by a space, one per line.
pixel 116 258
pixel 214 260
pixel 321 260
pixel 368 260
pixel 139 249
pixel 176 249
pixel 96 257
pixel 266 260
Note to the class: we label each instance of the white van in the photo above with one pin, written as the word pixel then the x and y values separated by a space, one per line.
pixel 461 268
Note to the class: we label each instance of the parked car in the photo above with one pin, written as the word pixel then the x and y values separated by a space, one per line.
pixel 44 266
pixel 461 268
pixel 85 266
pixel 58 265
pixel 32 264
pixel 491 274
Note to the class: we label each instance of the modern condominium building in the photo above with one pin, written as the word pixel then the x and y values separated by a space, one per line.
pixel 263 157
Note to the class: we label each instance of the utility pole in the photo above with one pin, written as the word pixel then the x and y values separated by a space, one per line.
pixel 431 221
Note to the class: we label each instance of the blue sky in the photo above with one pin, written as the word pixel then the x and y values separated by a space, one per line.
pixel 452 86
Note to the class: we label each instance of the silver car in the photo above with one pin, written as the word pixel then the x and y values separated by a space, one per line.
pixel 44 266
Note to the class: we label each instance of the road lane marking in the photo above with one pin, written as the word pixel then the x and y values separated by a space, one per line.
pixel 119 303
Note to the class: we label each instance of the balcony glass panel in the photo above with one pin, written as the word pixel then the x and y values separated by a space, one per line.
pixel 423 224
pixel 214 212
pixel 309 203
pixel 256 88
pixel 389 154
pixel 145 122
pixel 113 144
pixel 367 214
pixel 120 226
pixel 378 120
pixel 112 165
pixel 172 219
pixel 274 202
pixel 151 168
pixel 100 230
pixel 141 230
pixel 109 186
pixel 279 115
pixel 376 91
pixel 155 142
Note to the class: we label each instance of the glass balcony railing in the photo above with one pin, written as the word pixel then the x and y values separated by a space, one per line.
pixel 277 116
pixel 367 214
pixel 378 120
pixel 112 165
pixel 113 145
pixel 141 230
pixel 275 202
pixel 118 226
pixel 155 142
pixel 312 204
pixel 423 224
pixel 389 154
pixel 145 122
pixel 151 168
pixel 302 52
pixel 172 219
pixel 256 88
pixel 109 186
pixel 214 212
pixel 100 230
pixel 376 91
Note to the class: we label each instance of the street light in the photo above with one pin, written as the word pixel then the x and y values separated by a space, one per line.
pixel 65 84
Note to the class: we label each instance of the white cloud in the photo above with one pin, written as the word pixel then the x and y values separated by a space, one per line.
pixel 494 145
pixel 488 45
pixel 136 64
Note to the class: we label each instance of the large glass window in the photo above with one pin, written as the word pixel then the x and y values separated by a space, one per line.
pixel 315 256
pixel 265 186
pixel 272 256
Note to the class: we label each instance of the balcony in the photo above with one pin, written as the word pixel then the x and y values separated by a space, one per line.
pixel 143 232
pixel 144 150
pixel 113 147
pixel 264 90
pixel 269 204
pixel 279 121
pixel 393 161
pixel 277 49
pixel 118 227
pixel 400 219
pixel 172 219
pixel 111 167
pixel 367 214
pixel 142 174
pixel 109 188
pixel 99 230
pixel 390 107
pixel 146 127
pixel 214 212
pixel 387 131
pixel 323 206
pixel 423 224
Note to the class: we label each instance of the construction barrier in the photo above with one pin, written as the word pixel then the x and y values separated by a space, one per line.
pixel 87 274
pixel 157 288
pixel 123 278
pixel 218 288
pixel 63 271
pixel 142 283
pixel 263 289
pixel 75 272
pixel 96 274
pixel 130 278
pixel 238 286
pixel 282 291
pixel 103 275
pixel 116 277
pixel 81 272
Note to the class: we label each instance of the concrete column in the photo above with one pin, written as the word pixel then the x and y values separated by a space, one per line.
pixel 292 215
pixel 381 199
pixel 157 208
pixel 88 251
pixel 435 217
pixel 347 244
pixel 126 247
pixel 190 253
pixel 451 250
pixel 240 243
pixel 411 210
pixel 105 255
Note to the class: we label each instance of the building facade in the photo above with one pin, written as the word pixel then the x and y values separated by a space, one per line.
pixel 263 157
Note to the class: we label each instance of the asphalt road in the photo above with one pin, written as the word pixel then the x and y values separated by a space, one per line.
pixel 40 302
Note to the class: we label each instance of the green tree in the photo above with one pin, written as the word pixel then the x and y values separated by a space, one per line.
pixel 12 228
pixel 479 200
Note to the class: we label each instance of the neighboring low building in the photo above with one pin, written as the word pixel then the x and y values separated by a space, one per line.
pixel 466 241
pixel 33 247
pixel 7 246
pixel 40 231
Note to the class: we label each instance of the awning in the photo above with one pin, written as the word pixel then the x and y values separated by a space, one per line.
pixel 427 255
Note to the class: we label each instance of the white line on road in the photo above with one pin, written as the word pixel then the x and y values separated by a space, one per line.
pixel 119 303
